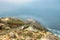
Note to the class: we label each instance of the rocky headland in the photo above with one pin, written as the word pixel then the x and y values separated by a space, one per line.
pixel 18 29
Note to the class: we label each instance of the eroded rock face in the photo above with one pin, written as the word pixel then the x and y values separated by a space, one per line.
pixel 16 29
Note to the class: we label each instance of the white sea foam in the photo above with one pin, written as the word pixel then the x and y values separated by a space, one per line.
pixel 56 32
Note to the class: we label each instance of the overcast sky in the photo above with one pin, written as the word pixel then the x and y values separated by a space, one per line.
pixel 16 1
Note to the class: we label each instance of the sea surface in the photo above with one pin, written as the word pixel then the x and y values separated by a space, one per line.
pixel 47 12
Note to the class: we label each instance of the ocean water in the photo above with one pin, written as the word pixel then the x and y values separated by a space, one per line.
pixel 47 12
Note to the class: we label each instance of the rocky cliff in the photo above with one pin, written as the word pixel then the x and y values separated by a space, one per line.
pixel 17 29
